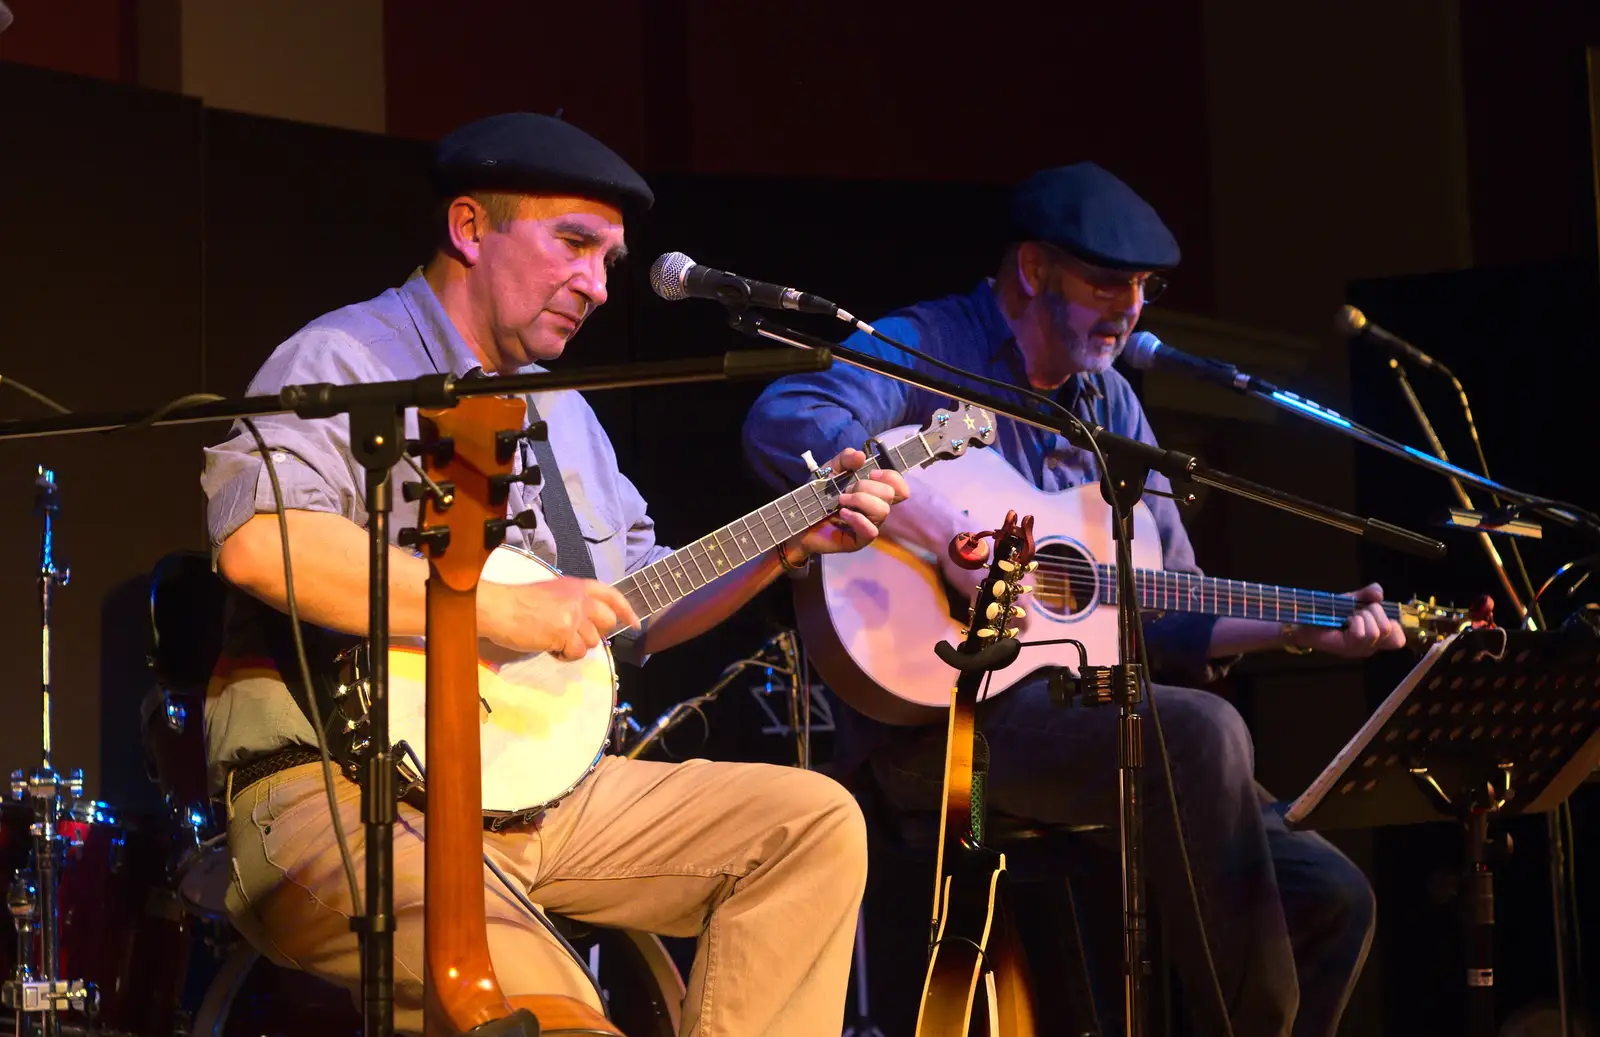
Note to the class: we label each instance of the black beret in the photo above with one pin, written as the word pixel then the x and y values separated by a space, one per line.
pixel 1088 212
pixel 535 154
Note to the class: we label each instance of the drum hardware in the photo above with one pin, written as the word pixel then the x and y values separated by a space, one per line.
pixel 34 986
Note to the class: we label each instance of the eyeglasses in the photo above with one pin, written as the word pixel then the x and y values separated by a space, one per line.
pixel 1108 285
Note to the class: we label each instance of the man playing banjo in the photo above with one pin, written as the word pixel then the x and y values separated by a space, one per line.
pixel 764 865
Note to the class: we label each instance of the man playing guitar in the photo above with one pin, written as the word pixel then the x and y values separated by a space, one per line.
pixel 1289 917
pixel 765 865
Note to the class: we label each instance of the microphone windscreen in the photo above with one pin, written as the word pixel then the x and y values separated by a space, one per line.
pixel 5 17
pixel 667 274
pixel 1351 320
pixel 1140 352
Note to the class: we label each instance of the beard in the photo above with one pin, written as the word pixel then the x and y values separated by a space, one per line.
pixel 1083 352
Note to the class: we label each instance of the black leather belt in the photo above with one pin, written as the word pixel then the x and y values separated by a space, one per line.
pixel 247 774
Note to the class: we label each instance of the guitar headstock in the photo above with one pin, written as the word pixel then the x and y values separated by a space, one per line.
pixel 949 433
pixel 1426 621
pixel 993 608
pixel 467 452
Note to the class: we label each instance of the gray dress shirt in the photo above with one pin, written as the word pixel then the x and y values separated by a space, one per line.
pixel 403 333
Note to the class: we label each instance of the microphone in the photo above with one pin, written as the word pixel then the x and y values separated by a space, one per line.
pixel 5 16
pixel 674 276
pixel 1145 352
pixel 1353 322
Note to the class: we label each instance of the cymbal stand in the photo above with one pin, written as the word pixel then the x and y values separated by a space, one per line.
pixel 34 987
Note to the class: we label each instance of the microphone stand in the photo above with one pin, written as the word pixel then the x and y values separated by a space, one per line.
pixel 377 442
pixel 1564 514
pixel 1531 618
pixel 1128 464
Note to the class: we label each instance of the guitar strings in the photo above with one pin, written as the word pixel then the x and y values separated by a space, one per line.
pixel 1059 577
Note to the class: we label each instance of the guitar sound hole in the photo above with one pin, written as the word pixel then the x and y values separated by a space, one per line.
pixel 1064 584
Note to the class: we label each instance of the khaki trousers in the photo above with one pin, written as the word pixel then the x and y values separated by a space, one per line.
pixel 764 865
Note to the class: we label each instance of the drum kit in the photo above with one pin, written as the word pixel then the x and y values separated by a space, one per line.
pixel 120 923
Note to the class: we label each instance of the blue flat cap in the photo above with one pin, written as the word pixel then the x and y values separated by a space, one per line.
pixel 535 154
pixel 1088 212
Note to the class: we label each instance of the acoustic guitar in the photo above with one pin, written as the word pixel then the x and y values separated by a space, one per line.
pixel 972 937
pixel 466 449
pixel 856 611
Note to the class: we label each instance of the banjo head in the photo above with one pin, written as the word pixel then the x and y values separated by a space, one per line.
pixel 545 722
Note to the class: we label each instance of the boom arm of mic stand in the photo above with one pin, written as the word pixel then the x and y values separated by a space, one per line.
pixel 1564 514
pixel 322 399
pixel 1178 467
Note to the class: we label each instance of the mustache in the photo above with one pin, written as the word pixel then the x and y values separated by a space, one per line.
pixel 1117 328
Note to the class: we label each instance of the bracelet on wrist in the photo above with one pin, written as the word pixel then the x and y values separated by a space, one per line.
pixel 793 568
pixel 1287 637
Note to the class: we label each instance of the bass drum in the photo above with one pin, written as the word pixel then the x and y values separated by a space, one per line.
pixel 252 997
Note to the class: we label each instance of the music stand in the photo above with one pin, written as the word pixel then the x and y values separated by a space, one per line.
pixel 1490 724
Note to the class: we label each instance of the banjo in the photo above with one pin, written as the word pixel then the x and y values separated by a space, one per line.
pixel 544 722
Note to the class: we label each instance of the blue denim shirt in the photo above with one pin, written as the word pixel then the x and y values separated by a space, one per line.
pixel 844 406
pixel 403 333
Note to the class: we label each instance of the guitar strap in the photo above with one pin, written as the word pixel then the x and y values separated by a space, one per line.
pixel 572 552
pixel 980 784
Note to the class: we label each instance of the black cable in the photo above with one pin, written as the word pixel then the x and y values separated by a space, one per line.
pixel 522 898
pixel 305 667
pixel 1183 842
pixel 36 394
pixel 1565 813
pixel 994 383
pixel 162 411
pixel 550 927
pixel 1119 516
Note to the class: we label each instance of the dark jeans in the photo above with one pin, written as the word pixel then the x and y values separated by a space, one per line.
pixel 1290 918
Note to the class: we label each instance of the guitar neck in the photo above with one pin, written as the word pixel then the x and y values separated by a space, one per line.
pixel 1184 592
pixel 686 570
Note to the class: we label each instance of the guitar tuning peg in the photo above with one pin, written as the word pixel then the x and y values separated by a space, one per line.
pixel 444 497
pixel 443 449
pixel 985 633
pixel 1017 612
pixel 500 485
pixel 1026 588
pixel 1006 566
pixel 434 538
pixel 494 530
pixel 506 440
pixel 1030 567
pixel 993 610
pixel 1012 632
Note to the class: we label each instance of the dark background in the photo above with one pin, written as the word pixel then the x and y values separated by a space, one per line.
pixel 153 247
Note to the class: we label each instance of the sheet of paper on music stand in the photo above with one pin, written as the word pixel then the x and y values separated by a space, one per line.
pixel 1530 702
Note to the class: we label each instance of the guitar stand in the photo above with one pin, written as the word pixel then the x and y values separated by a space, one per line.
pixel 1490 724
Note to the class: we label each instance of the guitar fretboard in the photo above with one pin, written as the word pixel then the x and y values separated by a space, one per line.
pixel 1185 592
pixel 686 570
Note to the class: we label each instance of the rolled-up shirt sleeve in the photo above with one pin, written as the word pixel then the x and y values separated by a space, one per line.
pixel 828 411
pixel 310 455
